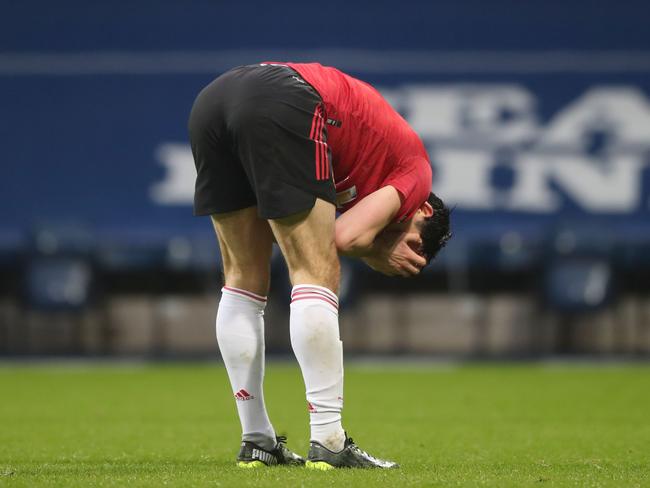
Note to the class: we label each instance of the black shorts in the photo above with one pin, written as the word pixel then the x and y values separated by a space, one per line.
pixel 259 138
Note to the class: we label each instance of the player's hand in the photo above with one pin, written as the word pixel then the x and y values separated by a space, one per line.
pixel 394 254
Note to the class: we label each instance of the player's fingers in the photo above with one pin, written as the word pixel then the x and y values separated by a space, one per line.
pixel 416 260
pixel 410 270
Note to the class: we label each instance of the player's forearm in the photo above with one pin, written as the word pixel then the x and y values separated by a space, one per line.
pixel 357 229
pixel 377 248
pixel 351 245
pixel 357 252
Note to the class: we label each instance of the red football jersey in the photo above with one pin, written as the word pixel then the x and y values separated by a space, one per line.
pixel 372 146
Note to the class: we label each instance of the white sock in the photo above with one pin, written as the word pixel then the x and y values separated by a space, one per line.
pixel 240 334
pixel 314 327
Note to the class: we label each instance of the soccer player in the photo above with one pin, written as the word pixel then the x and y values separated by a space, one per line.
pixel 279 148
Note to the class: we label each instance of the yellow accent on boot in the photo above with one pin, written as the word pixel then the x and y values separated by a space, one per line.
pixel 250 464
pixel 321 465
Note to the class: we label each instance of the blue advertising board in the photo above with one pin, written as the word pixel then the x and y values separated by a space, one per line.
pixel 528 121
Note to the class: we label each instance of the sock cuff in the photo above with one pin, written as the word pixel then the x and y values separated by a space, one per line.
pixel 244 294
pixel 314 292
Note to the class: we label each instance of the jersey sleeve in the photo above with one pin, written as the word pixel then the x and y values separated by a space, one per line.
pixel 413 183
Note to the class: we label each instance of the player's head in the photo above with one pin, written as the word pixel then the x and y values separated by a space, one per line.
pixel 432 221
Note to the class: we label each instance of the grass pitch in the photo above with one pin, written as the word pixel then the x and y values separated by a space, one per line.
pixel 176 425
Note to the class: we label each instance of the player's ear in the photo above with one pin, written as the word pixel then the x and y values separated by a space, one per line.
pixel 426 209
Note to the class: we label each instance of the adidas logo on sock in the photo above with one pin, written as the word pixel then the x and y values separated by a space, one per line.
pixel 243 395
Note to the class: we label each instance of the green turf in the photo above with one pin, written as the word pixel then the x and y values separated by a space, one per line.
pixel 509 425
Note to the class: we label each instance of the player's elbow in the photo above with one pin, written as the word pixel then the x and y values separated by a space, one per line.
pixel 350 243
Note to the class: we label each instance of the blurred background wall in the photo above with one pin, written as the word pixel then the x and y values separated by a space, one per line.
pixel 536 116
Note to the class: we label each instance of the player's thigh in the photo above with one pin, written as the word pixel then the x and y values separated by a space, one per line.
pixel 307 243
pixel 246 243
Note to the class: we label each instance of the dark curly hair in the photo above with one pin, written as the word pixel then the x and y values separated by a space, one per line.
pixel 435 231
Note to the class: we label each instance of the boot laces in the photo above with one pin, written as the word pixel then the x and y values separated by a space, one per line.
pixel 356 448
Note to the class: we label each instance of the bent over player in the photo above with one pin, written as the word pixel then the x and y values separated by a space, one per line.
pixel 278 147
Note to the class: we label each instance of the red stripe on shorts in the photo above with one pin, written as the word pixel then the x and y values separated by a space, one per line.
pixel 313 135
pixel 319 148
pixel 325 169
pixel 323 152
pixel 314 121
